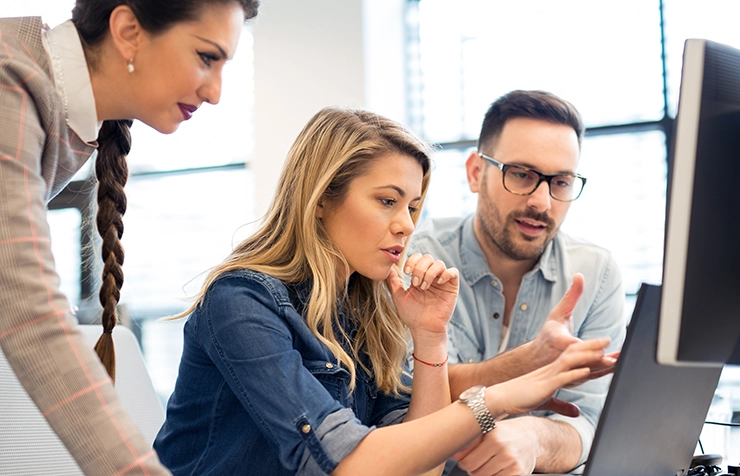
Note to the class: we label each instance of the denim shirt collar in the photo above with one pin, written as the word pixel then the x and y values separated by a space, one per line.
pixel 299 293
pixel 475 267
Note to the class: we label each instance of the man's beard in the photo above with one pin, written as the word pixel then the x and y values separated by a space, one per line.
pixel 499 233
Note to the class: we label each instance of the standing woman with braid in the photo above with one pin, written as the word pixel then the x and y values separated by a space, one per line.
pixel 65 95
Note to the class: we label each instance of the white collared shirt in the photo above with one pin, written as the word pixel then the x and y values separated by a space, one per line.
pixel 72 80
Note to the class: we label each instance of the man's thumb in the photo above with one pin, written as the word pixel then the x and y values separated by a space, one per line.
pixel 564 308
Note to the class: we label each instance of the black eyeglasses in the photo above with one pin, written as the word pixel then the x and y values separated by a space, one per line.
pixel 522 180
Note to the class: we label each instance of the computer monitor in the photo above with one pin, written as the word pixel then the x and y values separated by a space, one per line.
pixel 700 301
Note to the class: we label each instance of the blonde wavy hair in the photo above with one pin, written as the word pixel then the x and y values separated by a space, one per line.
pixel 334 148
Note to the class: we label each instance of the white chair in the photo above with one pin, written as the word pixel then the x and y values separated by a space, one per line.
pixel 29 447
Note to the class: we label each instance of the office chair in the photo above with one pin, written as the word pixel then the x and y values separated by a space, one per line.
pixel 29 447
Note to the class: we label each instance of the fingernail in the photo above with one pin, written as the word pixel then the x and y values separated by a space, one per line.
pixel 415 281
pixel 407 269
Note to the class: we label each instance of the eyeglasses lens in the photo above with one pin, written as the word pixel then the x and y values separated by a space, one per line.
pixel 523 181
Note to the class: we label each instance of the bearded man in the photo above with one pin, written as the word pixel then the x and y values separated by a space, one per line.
pixel 515 266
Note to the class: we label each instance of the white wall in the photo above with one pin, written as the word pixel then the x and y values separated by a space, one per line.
pixel 307 55
pixel 385 66
pixel 312 54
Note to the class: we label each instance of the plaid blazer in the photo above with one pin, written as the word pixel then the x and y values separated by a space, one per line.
pixel 39 154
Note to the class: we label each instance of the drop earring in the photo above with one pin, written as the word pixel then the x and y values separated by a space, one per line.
pixel 130 65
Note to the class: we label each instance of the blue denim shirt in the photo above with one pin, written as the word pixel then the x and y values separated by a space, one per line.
pixel 258 393
pixel 475 327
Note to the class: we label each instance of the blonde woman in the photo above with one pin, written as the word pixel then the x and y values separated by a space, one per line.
pixel 294 351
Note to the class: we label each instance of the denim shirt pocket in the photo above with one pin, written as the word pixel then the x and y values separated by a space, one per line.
pixel 332 376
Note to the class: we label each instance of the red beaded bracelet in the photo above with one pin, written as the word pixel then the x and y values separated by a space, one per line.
pixel 431 364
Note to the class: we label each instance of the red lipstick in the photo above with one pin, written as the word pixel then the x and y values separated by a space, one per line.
pixel 187 110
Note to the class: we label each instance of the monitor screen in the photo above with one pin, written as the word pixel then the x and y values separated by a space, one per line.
pixel 700 301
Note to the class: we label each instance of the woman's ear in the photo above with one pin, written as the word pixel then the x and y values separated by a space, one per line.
pixel 320 209
pixel 126 31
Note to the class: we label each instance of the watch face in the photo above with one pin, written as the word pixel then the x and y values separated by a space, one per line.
pixel 472 392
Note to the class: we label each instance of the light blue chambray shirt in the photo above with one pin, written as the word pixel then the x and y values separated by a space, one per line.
pixel 475 327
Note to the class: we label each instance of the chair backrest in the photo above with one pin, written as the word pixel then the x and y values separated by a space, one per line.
pixel 29 447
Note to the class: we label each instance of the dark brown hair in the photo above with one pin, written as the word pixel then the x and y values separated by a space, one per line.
pixel 90 17
pixel 530 104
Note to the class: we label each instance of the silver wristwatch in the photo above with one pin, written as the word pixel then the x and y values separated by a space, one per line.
pixel 474 397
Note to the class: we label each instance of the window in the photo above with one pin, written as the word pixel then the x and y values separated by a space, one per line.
pixel 178 226
pixel 66 246
pixel 472 54
pixel 607 61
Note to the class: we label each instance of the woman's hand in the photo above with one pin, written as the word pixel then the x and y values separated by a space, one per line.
pixel 534 390
pixel 427 305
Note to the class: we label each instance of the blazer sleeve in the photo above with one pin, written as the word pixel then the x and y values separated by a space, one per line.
pixel 38 336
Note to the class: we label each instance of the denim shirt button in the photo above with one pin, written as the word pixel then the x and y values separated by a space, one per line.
pixel 306 428
pixel 523 307
pixel 329 365
pixel 494 283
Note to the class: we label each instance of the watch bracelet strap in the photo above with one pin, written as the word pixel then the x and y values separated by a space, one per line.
pixel 483 416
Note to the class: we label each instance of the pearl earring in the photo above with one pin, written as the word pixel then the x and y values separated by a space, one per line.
pixel 130 65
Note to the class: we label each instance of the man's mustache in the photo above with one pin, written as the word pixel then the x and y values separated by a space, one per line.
pixel 532 215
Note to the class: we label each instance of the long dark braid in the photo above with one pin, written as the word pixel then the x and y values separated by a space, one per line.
pixel 112 173
pixel 90 17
